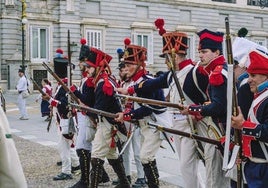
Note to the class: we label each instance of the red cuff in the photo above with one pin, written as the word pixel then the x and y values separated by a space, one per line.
pixel 72 88
pixel 127 117
pixel 131 90
pixel 249 125
pixel 195 110
pixel 53 102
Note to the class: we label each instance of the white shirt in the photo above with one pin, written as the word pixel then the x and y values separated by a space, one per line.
pixel 22 84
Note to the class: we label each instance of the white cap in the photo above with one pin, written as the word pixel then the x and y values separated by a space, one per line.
pixel 241 48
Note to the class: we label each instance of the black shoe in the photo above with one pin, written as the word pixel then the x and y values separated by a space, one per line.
pixel 75 170
pixel 129 179
pixel 115 182
pixel 80 184
pixel 63 176
pixel 140 182
pixel 47 119
pixel 104 180
pixel 59 163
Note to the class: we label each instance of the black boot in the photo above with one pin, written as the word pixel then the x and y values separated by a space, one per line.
pixel 151 173
pixel 104 177
pixel 84 159
pixel 96 171
pixel 119 169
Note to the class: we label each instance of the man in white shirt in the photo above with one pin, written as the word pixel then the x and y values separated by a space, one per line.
pixel 22 88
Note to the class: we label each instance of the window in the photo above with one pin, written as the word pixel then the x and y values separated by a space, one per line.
pixel 39 43
pixel 145 40
pixel 94 38
pixel 257 2
pixel 260 41
pixel 191 47
pixel 9 3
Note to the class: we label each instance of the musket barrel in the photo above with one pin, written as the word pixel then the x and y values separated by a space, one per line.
pixel 185 134
pixel 61 82
pixel 37 86
pixel 150 101
pixel 94 111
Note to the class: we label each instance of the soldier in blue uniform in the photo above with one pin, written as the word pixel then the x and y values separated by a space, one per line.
pixel 66 142
pixel 103 145
pixel 255 128
pixel 213 113
pixel 134 58
pixel 85 93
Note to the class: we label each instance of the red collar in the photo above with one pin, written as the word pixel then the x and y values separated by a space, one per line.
pixel 138 74
pixel 215 62
pixel 84 74
pixel 185 63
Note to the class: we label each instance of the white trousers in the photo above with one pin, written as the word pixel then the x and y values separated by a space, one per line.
pixel 213 159
pixel 68 154
pixel 135 143
pixel 22 106
pixel 186 149
pixel 81 141
pixel 101 144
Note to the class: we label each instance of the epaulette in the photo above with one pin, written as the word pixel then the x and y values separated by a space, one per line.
pixel 216 77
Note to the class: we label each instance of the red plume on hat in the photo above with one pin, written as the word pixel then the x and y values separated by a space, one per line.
pixel 83 41
pixel 159 23
pixel 127 41
pixel 59 51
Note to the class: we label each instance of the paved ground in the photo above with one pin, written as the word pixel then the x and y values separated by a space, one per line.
pixel 38 154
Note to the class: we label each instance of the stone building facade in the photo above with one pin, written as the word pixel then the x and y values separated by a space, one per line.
pixel 106 23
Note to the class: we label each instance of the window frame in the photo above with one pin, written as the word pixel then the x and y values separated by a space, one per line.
pixel 47 46
pixel 100 38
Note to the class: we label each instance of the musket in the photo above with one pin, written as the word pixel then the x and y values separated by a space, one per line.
pixel 171 64
pixel 188 135
pixel 61 83
pixel 93 110
pixel 234 106
pixel 150 101
pixel 43 94
pixel 38 87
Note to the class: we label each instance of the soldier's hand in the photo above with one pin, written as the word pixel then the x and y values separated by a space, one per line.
pixel 237 121
pixel 185 111
pixel 120 117
pixel 46 97
pixel 122 90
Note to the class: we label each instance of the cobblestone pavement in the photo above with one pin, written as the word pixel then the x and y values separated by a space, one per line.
pixel 39 165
